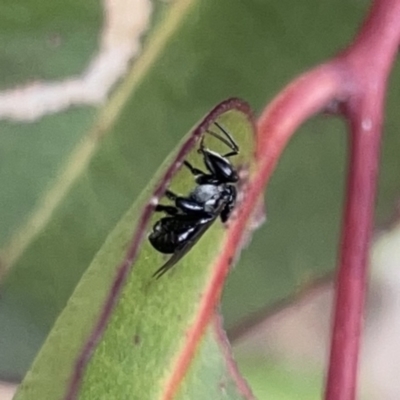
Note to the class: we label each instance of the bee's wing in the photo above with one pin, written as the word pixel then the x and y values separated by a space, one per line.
pixel 183 250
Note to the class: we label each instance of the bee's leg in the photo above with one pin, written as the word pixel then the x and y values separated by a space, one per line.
pixel 230 204
pixel 171 195
pixel 170 210
pixel 196 172
pixel 200 177
pixel 183 204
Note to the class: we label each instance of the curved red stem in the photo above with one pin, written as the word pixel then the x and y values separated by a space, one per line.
pixel 356 79
pixel 368 61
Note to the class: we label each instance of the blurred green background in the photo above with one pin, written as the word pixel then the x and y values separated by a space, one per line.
pixel 209 51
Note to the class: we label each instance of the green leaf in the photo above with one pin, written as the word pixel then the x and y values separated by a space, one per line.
pixel 213 373
pixel 124 333
pixel 277 379
pixel 198 53
pixel 46 40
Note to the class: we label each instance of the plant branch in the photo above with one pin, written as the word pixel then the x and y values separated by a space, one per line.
pixel 368 61
pixel 356 81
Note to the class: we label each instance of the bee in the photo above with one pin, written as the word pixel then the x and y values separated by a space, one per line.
pixel 189 218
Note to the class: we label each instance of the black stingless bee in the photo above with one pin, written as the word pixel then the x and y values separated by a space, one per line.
pixel 191 216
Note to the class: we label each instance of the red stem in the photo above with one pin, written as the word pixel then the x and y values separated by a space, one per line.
pixel 352 275
pixel 369 61
pixel 357 78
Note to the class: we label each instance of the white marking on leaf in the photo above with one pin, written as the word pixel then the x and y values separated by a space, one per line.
pixel 125 22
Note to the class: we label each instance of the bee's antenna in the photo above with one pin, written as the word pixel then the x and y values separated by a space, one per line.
pixel 230 142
